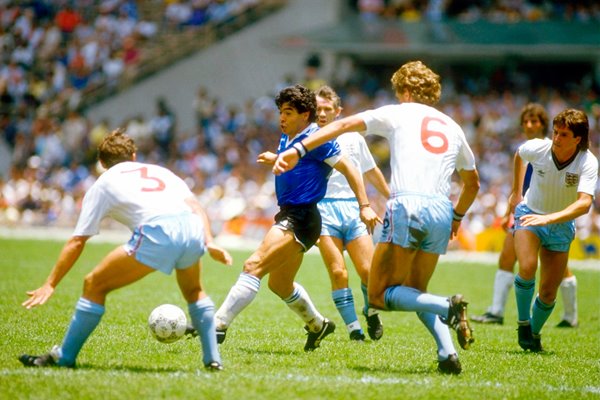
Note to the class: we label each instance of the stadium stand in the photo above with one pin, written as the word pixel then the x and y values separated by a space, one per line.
pixel 50 172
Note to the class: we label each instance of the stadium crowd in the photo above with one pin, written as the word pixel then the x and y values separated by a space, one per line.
pixel 54 161
pixel 503 11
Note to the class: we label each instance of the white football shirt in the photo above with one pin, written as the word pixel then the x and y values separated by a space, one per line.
pixel 553 189
pixel 355 148
pixel 426 146
pixel 132 193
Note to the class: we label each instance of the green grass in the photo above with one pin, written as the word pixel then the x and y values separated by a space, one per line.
pixel 263 353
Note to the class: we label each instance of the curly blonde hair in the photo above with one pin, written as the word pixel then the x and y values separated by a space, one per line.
pixel 419 81
pixel 115 148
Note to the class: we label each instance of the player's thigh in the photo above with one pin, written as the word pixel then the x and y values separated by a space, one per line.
pixel 277 249
pixel 116 270
pixel 390 267
pixel 360 251
pixel 332 252
pixel 527 246
pixel 421 271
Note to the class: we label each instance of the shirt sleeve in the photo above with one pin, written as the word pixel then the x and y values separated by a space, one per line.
pixel 94 208
pixel 367 162
pixel 589 175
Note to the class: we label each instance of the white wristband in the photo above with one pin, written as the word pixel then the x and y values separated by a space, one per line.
pixel 300 149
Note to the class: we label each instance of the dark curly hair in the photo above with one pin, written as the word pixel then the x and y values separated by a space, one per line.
pixel 300 98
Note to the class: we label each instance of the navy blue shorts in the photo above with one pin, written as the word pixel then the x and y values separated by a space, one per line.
pixel 303 220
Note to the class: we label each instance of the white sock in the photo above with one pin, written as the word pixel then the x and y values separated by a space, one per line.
pixel 568 290
pixel 239 297
pixel 502 283
pixel 300 303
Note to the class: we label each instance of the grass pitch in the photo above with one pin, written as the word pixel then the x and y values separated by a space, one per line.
pixel 263 354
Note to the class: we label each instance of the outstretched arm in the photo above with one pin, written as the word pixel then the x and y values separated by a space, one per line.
pixel 268 158
pixel 288 159
pixel 216 252
pixel 67 258
pixel 579 207
pixel 367 215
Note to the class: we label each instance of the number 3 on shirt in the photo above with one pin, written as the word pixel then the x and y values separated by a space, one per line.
pixel 433 146
pixel 160 185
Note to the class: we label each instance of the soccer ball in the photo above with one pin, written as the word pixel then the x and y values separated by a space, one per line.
pixel 167 323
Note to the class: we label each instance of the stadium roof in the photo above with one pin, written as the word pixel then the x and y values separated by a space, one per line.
pixel 545 40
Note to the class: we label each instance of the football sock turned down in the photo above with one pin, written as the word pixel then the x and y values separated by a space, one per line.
pixel 85 320
pixel 344 302
pixel 239 297
pixel 440 333
pixel 202 315
pixel 524 291
pixel 300 303
pixel 403 298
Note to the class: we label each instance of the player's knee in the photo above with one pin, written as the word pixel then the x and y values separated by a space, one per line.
pixel 93 287
pixel 547 295
pixel 376 300
pixel 339 275
pixel 191 294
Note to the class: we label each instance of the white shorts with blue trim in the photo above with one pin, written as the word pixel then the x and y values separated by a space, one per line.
pixel 341 219
pixel 554 237
pixel 169 242
pixel 417 221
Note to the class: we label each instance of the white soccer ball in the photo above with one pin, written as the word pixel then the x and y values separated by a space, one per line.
pixel 167 323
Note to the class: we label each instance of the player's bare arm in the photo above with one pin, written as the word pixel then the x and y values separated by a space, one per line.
pixel 576 209
pixel 267 158
pixel 468 193
pixel 67 258
pixel 376 178
pixel 215 251
pixel 288 159
pixel 516 194
pixel 367 215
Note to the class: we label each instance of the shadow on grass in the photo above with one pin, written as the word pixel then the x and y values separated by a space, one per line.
pixel 527 353
pixel 271 352
pixel 413 370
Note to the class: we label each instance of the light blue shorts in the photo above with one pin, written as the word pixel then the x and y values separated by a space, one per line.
pixel 169 242
pixel 341 219
pixel 416 221
pixel 554 237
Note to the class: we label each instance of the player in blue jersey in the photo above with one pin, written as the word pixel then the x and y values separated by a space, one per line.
pixel 534 123
pixel 170 232
pixel 563 183
pixel 427 147
pixel 342 229
pixel 298 223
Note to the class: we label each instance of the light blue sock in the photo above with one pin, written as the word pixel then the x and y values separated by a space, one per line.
pixel 524 291
pixel 86 318
pixel 539 315
pixel 344 302
pixel 440 333
pixel 404 298
pixel 202 314
pixel 363 289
